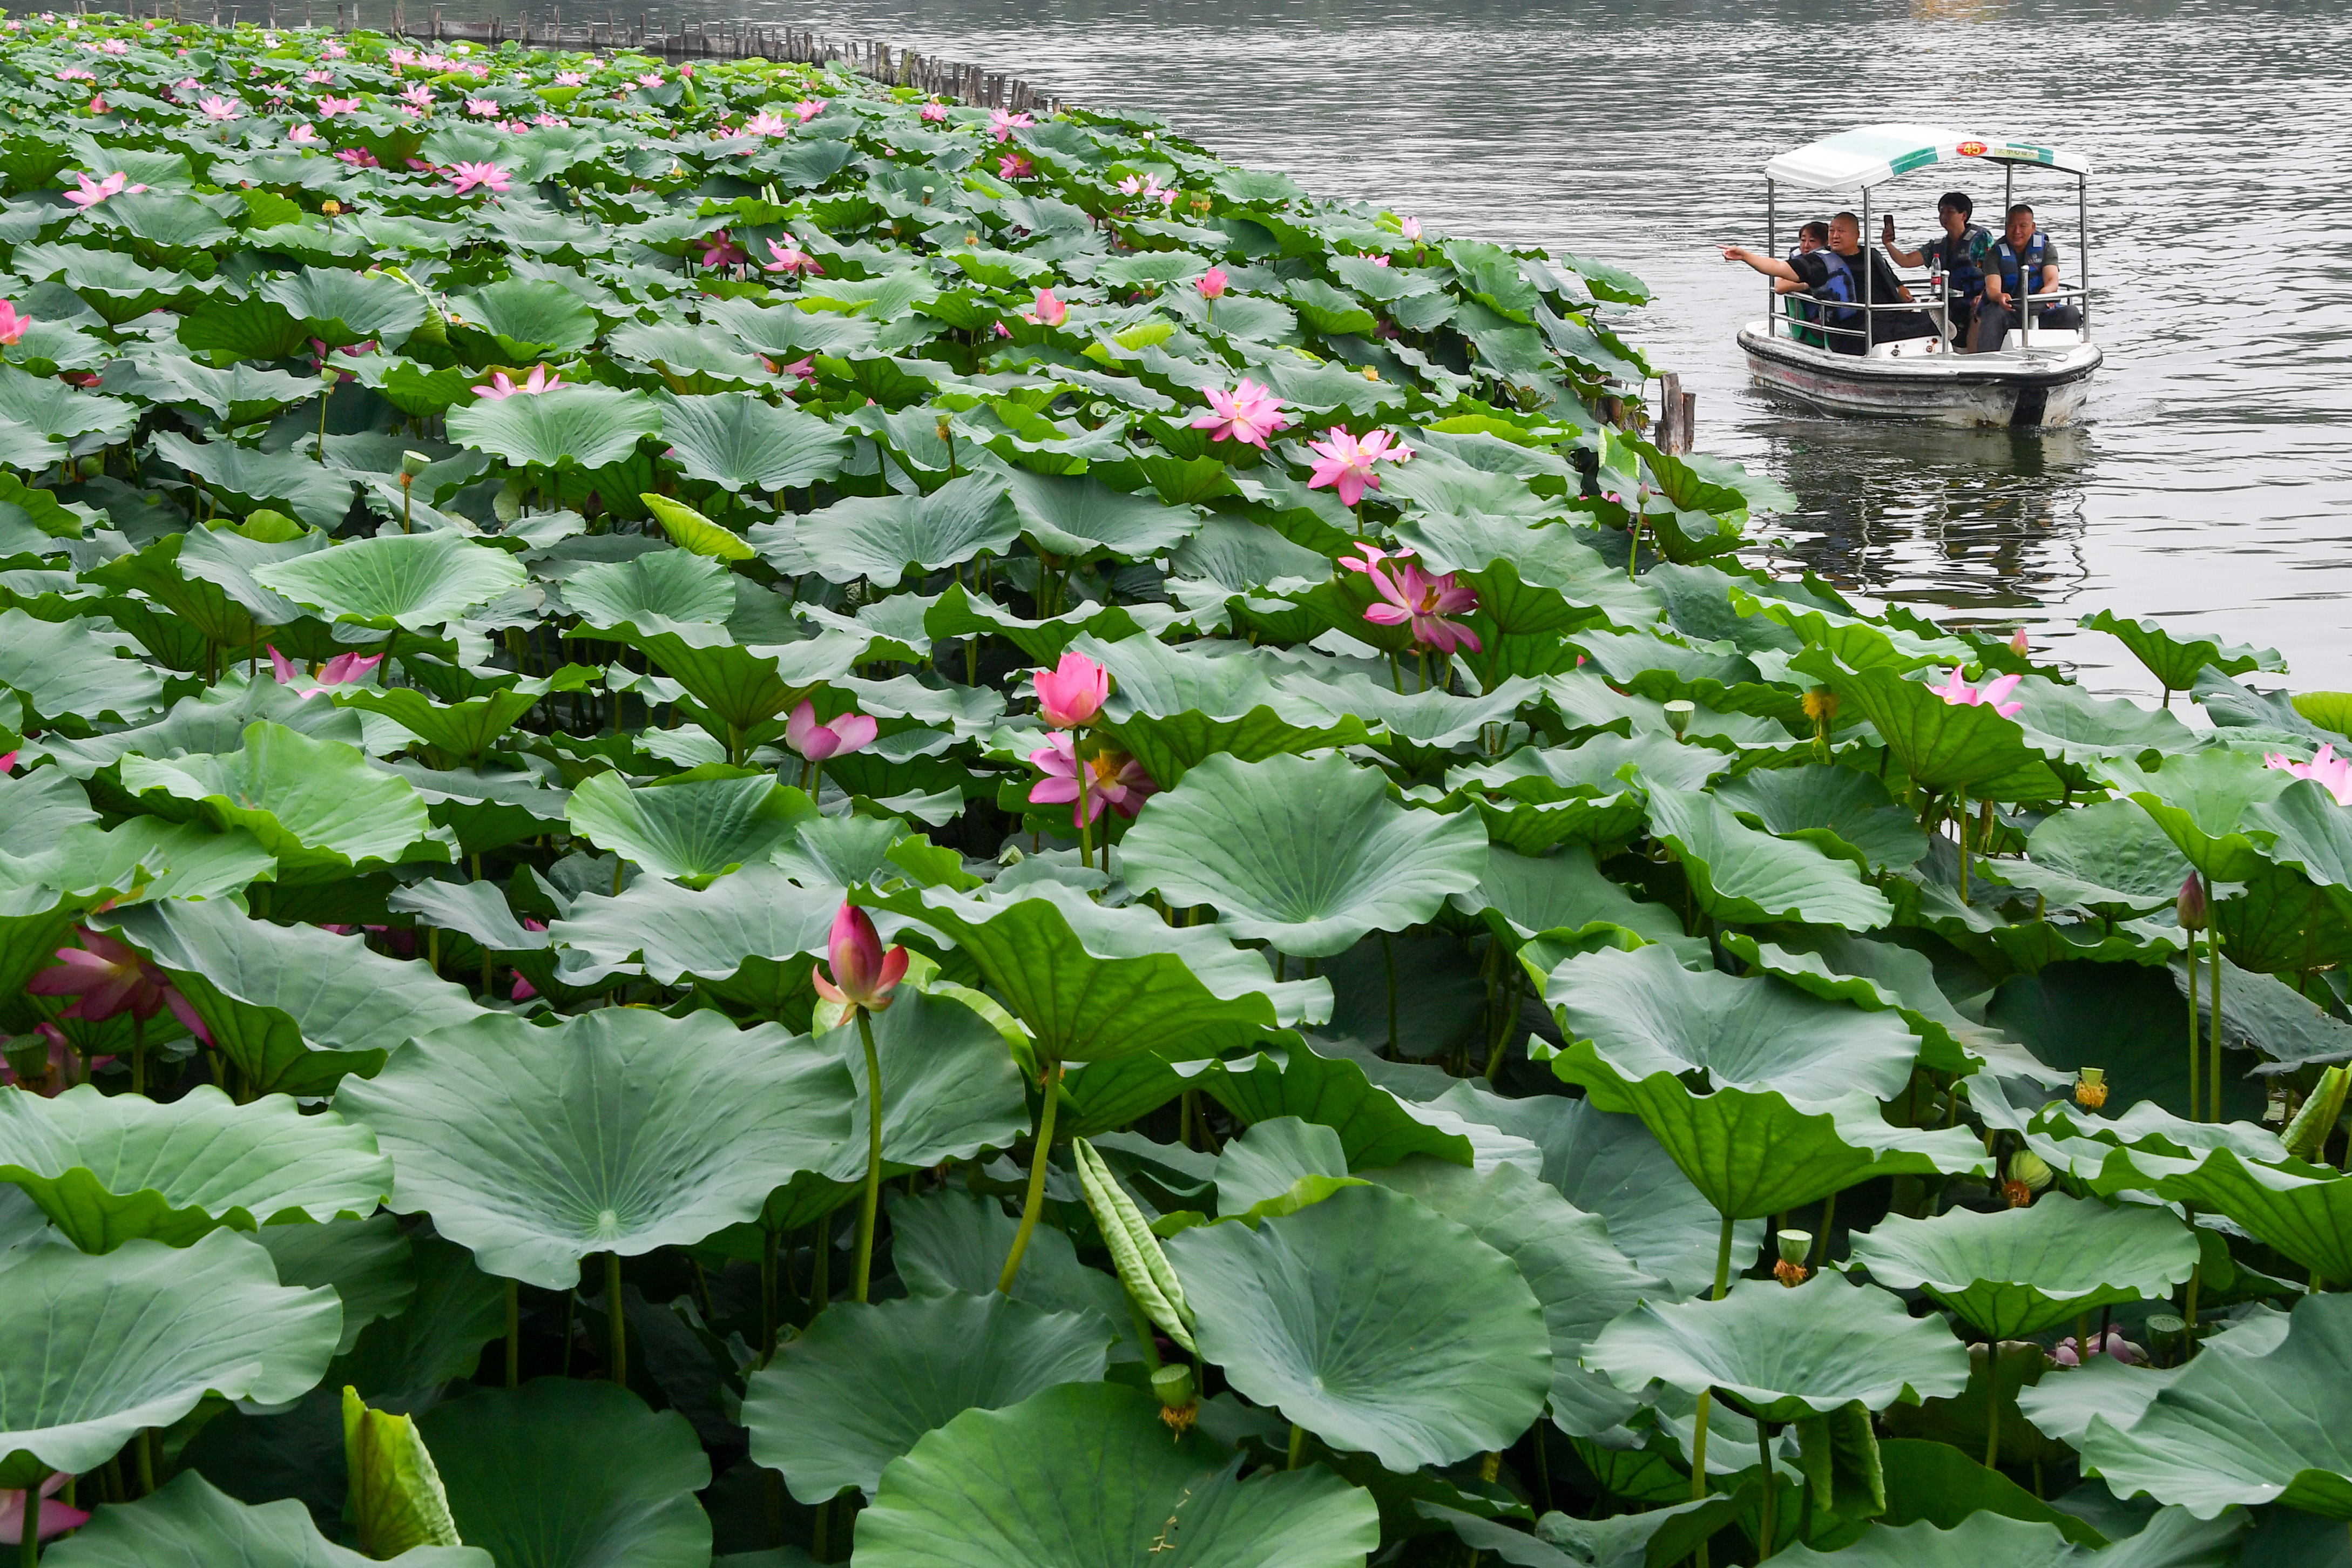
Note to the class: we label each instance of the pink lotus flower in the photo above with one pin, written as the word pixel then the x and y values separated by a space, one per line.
pixel 651 79
pixel 52 1518
pixel 490 177
pixel 863 975
pixel 2069 1354
pixel 12 327
pixel 2019 645
pixel 358 158
pixel 803 367
pixel 108 978
pixel 1048 310
pixel 75 73
pixel 790 258
pixel 808 109
pixel 315 78
pixel 1379 261
pixel 1013 167
pixel 569 78
pixel 1115 781
pixel 330 107
pixel 93 192
pixel 482 106
pixel 1212 283
pixel 302 135
pixel 767 122
pixel 98 104
pixel 502 385
pixel 334 51
pixel 417 94
pixel 1001 125
pixel 186 84
pixel 1960 694
pixel 849 732
pixel 1417 599
pixel 543 118
pixel 116 46
pixel 719 250
pixel 1410 228
pixel 402 58
pixel 1070 694
pixel 935 114
pixel 220 110
pixel 2330 772
pixel 1249 413
pixel 343 669
pixel 1344 464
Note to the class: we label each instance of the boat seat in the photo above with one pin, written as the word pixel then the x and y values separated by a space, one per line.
pixel 2044 338
pixel 1911 348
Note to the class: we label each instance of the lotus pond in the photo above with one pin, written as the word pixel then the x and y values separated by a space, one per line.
pixel 751 819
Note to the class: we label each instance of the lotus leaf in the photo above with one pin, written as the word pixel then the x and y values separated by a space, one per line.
pixel 692 830
pixel 2017 1273
pixel 189 1523
pixel 406 581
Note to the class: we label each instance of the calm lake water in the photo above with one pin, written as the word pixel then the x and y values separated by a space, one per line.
pixel 2209 486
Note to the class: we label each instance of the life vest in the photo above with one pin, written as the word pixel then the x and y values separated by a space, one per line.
pixel 2029 266
pixel 1839 289
pixel 1963 274
pixel 1799 308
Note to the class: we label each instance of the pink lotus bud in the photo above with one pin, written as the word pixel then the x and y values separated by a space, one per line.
pixel 863 975
pixel 1071 694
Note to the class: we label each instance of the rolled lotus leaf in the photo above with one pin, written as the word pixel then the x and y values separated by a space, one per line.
pixel 1143 1268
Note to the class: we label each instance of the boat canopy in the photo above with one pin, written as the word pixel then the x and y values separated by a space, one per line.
pixel 1872 154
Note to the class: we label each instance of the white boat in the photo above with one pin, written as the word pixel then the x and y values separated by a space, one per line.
pixel 2039 376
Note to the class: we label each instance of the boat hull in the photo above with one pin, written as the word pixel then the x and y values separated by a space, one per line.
pixel 2007 390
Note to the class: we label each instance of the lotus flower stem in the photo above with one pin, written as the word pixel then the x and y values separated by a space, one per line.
pixel 770 1247
pixel 2196 1058
pixel 1388 960
pixel 616 1320
pixel 1297 1444
pixel 514 1334
pixel 28 1535
pixel 137 1054
pixel 1821 1241
pixel 1770 1533
pixel 143 1451
pixel 1035 1203
pixel 1961 821
pixel 1992 1400
pixel 1707 1396
pixel 2214 1035
pixel 820 1268
pixel 873 1157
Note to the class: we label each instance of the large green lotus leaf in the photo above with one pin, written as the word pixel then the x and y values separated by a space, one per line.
pixel 2173 1539
pixel 2311 834
pixel 345 307
pixel 370 1263
pixel 49 406
pixel 1739 875
pixel 562 1473
pixel 2125 1020
pixel 1647 1014
pixel 1787 1354
pixel 950 1086
pixel 1611 1166
pixel 457 1310
pixel 1093 985
pixel 1269 1159
pixel 1754 1153
pixel 2304 1211
pixel 69 672
pixel 2202 802
pixel 587 425
pixel 188 1522
pixel 93 1348
pixel 1942 745
pixel 1082 1475
pixel 885 1375
pixel 741 688
pixel 1172 708
pixel 155 571
pixel 957 613
pixel 2019 1272
pixel 1373 1324
pixel 408 580
pixel 2175 661
pixel 691 831
pixel 1522 895
pixel 2067 723
pixel 315 804
pixel 620 1131
pixel 107 1169
pixel 1881 976
pixel 1578 1275
pixel 747 937
pixel 464 729
pixel 246 480
pixel 2111 858
pixel 949 1242
pixel 2278 922
pixel 882 537
pixel 667 585
pixel 1308 856
pixel 1375 1128
pixel 737 441
pixel 529 315
pixel 1657 1534
pixel 295 1007
pixel 1064 515
pixel 1854 642
pixel 1838 810
pixel 2235 1429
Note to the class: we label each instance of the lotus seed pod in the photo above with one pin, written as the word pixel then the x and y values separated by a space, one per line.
pixel 1678 715
pixel 2091 1089
pixel 2029 1168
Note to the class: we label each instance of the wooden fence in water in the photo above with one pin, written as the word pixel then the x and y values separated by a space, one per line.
pixel 687 40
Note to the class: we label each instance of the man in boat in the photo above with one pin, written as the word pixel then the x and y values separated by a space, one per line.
pixel 1962 253
pixel 2025 262
pixel 1832 276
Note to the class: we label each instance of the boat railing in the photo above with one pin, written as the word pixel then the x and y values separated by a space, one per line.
pixel 1805 320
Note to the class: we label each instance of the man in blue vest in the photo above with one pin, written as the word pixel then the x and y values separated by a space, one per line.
pixel 1963 253
pixel 1825 287
pixel 2025 263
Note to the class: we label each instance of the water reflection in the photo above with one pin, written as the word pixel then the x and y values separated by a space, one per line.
pixel 2211 482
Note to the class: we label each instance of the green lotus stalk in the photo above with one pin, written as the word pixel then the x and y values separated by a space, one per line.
pixel 867 1212
pixel 2190 908
pixel 1769 1534
pixel 863 976
pixel 1035 1205
pixel 2214 1035
pixel 616 1322
pixel 514 1333
pixel 1699 1435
